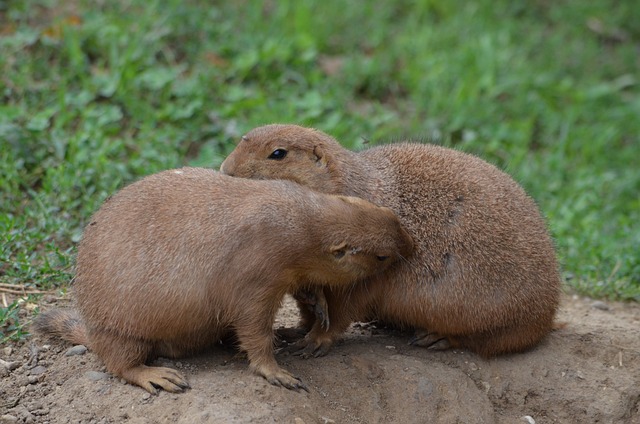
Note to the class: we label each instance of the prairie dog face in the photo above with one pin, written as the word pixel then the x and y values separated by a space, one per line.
pixel 369 240
pixel 284 152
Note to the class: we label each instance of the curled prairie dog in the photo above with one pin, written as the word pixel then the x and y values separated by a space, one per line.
pixel 171 263
pixel 484 274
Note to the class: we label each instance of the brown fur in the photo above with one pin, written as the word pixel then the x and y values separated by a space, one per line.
pixel 484 274
pixel 171 263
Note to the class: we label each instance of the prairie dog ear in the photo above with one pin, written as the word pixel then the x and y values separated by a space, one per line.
pixel 338 250
pixel 319 156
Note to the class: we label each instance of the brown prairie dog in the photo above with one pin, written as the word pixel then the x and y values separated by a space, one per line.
pixel 484 274
pixel 171 263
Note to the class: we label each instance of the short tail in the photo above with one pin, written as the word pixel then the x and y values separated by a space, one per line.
pixel 63 323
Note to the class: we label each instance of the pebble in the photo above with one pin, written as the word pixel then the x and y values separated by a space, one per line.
pixel 528 419
pixel 35 405
pixel 10 365
pixel 96 375
pixel 326 420
pixel 390 347
pixel 146 396
pixel 8 419
pixel 76 350
pixel 4 372
pixel 298 420
pixel 37 370
pixel 37 408
pixel 598 304
pixel 28 418
pixel 33 379
pixel 473 366
pixel 8 351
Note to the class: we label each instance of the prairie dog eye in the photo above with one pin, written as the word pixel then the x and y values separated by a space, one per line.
pixel 382 258
pixel 278 154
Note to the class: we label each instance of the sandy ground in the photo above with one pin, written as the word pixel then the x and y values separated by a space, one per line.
pixel 587 372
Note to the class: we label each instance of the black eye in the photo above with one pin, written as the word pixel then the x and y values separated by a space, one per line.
pixel 278 154
pixel 339 253
pixel 382 258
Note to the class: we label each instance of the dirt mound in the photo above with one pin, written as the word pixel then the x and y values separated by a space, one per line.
pixel 587 372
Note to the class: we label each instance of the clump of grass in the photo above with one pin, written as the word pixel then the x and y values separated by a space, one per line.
pixel 11 324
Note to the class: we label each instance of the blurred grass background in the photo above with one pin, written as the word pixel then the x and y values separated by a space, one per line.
pixel 95 94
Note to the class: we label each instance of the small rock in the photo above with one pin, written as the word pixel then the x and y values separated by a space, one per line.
pixel 7 419
pixel 598 304
pixel 146 396
pixel 326 420
pixel 34 405
pixel 76 350
pixel 473 366
pixel 96 375
pixel 33 379
pixel 39 370
pixel 390 347
pixel 298 420
pixel 528 419
pixel 178 364
pixel 7 352
pixel 29 418
pixel 9 365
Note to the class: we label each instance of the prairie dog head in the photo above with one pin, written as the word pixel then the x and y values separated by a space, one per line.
pixel 367 239
pixel 287 152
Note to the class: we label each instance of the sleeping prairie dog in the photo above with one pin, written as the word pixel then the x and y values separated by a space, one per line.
pixel 484 274
pixel 171 263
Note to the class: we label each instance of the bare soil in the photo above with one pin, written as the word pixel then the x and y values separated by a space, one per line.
pixel 586 372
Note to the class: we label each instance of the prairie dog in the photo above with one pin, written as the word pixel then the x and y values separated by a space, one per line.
pixel 171 263
pixel 484 273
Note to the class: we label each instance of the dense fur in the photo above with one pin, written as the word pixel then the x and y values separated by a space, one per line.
pixel 171 263
pixel 484 274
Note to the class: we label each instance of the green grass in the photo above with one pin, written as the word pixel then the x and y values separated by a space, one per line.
pixel 97 94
